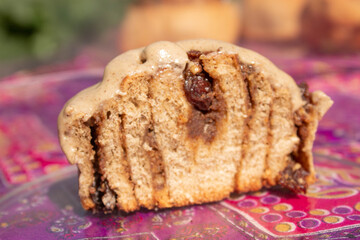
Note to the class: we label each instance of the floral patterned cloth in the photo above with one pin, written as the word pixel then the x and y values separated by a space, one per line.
pixel 38 189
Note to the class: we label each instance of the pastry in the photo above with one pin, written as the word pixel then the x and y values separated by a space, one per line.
pixel 332 25
pixel 190 122
pixel 179 20
pixel 272 20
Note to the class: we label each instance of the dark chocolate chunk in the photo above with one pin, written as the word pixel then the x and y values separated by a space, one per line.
pixel 101 193
pixel 155 158
pixel 198 90
pixel 304 89
pixel 194 55
pixel 293 177
pixel 205 95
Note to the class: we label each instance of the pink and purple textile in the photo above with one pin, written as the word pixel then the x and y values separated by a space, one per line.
pixel 38 189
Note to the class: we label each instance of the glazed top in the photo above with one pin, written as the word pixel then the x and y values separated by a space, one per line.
pixel 148 60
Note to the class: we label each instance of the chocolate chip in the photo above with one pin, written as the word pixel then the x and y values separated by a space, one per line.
pixel 293 177
pixel 205 96
pixel 198 91
pixel 194 55
pixel 304 89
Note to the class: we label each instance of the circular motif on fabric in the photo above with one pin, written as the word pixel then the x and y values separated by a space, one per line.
pixel 296 214
pixel 357 206
pixel 272 217
pixel 260 193
pixel 309 223
pixel 282 207
pixel 333 219
pixel 259 210
pixel 270 199
pixel 247 203
pixel 319 212
pixel 355 217
pixel 285 227
pixel 343 209
pixel 237 197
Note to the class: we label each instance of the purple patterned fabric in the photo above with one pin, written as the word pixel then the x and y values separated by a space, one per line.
pixel 38 189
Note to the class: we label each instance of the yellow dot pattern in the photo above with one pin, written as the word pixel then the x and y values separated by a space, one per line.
pixel 357 206
pixel 259 210
pixel 259 193
pixel 284 227
pixel 331 219
pixel 318 212
pixel 282 207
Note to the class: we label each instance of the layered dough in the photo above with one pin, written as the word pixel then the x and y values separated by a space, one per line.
pixel 182 123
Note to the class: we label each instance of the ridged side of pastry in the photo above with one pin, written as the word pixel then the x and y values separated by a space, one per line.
pixel 189 130
pixel 137 119
pixel 215 129
pixel 114 186
pixel 306 120
pixel 257 141
pixel 283 138
pixel 80 132
pixel 226 68
pixel 169 113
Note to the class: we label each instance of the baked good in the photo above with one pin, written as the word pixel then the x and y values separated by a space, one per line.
pixel 190 122
pixel 174 1
pixel 179 20
pixel 272 20
pixel 332 25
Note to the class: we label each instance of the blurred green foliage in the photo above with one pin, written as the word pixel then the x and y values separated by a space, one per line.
pixel 40 28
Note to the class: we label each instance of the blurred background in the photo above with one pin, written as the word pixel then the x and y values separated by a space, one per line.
pixel 42 35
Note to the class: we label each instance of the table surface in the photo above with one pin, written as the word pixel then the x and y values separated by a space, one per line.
pixel 38 188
